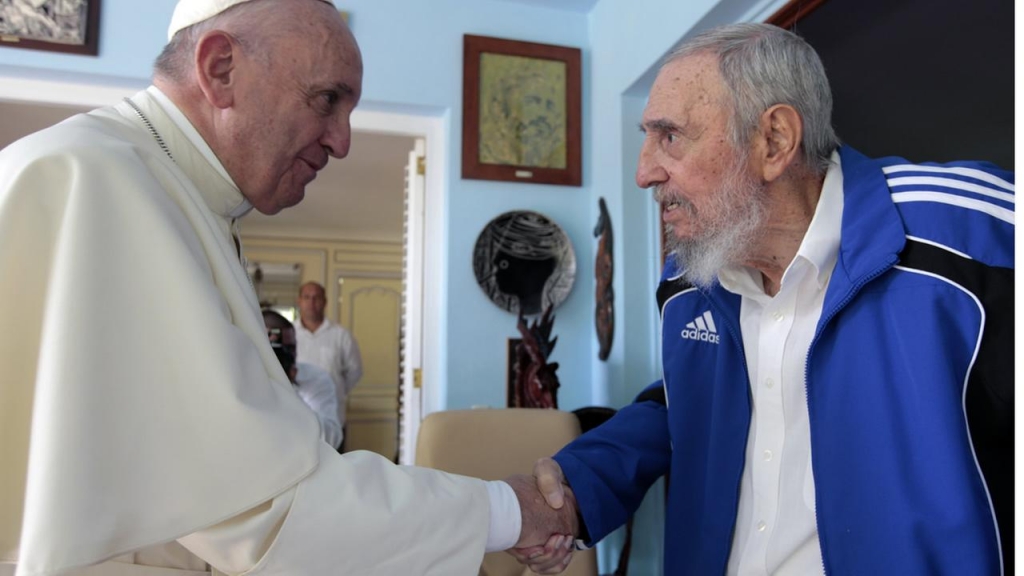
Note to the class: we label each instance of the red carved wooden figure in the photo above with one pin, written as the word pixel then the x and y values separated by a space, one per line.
pixel 536 385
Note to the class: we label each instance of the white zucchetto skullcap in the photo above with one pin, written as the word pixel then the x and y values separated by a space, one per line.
pixel 189 12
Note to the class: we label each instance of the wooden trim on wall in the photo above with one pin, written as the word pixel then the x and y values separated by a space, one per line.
pixel 794 11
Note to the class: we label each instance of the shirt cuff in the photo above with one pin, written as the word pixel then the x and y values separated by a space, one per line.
pixel 506 517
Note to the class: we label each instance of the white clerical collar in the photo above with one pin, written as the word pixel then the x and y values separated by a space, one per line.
pixel 819 247
pixel 190 132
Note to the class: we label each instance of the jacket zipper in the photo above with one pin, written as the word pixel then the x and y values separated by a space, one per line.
pixel 807 390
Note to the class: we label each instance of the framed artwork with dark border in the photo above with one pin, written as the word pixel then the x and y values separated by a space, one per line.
pixel 70 26
pixel 521 105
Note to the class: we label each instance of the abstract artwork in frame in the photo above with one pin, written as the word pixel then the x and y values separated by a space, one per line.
pixel 70 26
pixel 521 112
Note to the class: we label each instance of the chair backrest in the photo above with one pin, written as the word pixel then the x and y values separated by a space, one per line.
pixel 493 444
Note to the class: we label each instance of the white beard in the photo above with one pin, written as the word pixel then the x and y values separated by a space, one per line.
pixel 729 223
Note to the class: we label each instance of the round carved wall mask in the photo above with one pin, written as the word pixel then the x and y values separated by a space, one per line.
pixel 523 260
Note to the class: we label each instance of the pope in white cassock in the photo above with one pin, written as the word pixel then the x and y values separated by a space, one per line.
pixel 146 427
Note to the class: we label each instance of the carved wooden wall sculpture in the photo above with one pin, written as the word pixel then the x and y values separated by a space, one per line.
pixel 604 315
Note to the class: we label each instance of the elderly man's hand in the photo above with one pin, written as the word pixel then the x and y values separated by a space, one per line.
pixel 553 555
pixel 551 558
pixel 550 481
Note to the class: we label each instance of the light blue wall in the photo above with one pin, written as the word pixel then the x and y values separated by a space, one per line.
pixel 413 54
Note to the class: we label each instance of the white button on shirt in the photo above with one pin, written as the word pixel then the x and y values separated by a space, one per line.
pixel 776 528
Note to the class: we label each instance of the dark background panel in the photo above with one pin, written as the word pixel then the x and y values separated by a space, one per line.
pixel 929 80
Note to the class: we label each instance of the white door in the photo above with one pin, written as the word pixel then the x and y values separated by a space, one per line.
pixel 370 308
pixel 410 407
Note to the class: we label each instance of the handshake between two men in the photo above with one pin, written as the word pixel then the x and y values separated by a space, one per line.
pixel 550 518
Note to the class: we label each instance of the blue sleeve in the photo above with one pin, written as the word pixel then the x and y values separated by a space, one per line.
pixel 611 467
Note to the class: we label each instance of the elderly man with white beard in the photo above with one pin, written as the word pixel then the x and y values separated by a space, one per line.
pixel 837 340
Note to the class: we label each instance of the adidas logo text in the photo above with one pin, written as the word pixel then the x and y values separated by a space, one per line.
pixel 702 329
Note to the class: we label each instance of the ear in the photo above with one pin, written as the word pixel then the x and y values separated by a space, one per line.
pixel 781 133
pixel 216 67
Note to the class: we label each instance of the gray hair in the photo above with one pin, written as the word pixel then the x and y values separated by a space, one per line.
pixel 249 22
pixel 764 65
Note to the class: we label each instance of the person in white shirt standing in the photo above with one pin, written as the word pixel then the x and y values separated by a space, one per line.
pixel 327 345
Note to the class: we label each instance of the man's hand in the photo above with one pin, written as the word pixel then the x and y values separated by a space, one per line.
pixel 551 558
pixel 553 555
pixel 540 520
pixel 550 481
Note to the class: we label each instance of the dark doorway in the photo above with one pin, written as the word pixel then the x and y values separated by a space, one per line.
pixel 928 80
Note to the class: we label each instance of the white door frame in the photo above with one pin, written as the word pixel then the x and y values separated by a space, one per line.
pixel 430 339
pixel 426 341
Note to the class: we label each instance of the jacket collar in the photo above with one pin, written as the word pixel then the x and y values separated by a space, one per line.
pixel 872 235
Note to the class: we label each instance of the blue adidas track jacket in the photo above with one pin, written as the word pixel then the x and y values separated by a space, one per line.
pixel 909 384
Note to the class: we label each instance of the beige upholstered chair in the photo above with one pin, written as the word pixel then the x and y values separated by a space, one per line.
pixel 493 444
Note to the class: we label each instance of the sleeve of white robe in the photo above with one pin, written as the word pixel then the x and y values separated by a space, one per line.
pixel 309 529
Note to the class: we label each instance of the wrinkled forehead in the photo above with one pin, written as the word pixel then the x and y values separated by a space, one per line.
pixel 690 85
pixel 334 54
pixel 696 76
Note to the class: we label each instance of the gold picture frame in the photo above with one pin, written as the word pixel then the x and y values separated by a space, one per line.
pixel 521 104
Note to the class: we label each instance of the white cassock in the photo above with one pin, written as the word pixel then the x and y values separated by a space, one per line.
pixel 143 414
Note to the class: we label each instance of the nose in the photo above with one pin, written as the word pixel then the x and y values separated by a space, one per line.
pixel 337 139
pixel 649 171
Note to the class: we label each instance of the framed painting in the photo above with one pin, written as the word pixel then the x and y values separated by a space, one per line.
pixel 521 106
pixel 70 26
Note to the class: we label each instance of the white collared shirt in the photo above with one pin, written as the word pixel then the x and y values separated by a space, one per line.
pixel 334 349
pixel 776 529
